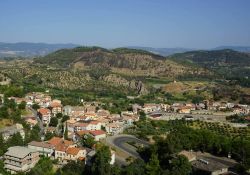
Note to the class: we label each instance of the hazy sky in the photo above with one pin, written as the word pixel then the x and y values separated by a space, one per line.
pixel 115 23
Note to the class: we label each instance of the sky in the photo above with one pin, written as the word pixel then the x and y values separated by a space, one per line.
pixel 118 23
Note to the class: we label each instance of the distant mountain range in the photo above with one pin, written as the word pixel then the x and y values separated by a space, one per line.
pixel 236 48
pixel 25 49
pixel 171 51
pixel 163 51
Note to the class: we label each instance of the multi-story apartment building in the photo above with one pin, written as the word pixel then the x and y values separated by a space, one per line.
pixel 45 115
pixel 20 159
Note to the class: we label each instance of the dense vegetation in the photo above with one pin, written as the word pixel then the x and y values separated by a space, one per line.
pixel 173 136
pixel 227 63
pixel 162 157
pixel 12 112
pixel 94 72
pixel 215 58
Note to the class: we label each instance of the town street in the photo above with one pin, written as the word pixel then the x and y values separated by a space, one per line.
pixel 121 142
pixel 40 123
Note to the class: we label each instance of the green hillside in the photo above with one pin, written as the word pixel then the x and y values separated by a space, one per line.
pixel 226 63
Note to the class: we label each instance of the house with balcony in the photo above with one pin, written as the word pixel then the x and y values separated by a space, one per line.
pixel 45 115
pixel 98 134
pixel 20 159
pixel 114 128
pixel 56 107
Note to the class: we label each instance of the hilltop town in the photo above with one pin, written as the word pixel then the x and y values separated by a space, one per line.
pixel 65 133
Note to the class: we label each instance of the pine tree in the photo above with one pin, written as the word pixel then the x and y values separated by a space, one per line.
pixel 66 132
pixel 153 166
pixel 101 164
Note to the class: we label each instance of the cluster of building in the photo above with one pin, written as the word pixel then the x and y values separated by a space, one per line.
pixel 22 159
pixel 82 118
pixel 84 121
pixel 88 120
pixel 206 107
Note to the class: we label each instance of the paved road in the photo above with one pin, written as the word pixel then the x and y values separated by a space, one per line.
pixel 205 117
pixel 120 141
pixel 40 123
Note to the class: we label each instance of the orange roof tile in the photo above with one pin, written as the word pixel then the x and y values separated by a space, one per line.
pixel 55 141
pixel 55 104
pixel 44 111
pixel 83 132
pixel 67 142
pixel 73 151
pixel 97 132
pixel 61 147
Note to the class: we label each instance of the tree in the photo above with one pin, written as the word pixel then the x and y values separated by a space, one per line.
pixel 4 112
pixel 59 115
pixel 65 118
pixel 43 167
pixel 87 141
pixel 72 168
pixel 116 170
pixel 22 105
pixel 101 163
pixel 142 115
pixel 33 135
pixel 3 146
pixel 10 103
pixel 16 115
pixel 153 166
pixel 2 169
pixel 180 166
pixel 53 122
pixel 49 135
pixel 35 106
pixel 66 132
pixel 16 140
pixel 135 168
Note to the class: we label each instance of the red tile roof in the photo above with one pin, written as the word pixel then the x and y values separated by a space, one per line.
pixel 73 151
pixel 82 124
pixel 44 111
pixel 41 144
pixel 60 144
pixel 97 132
pixel 55 104
pixel 55 141
pixel 83 132
pixel 61 147
pixel 67 142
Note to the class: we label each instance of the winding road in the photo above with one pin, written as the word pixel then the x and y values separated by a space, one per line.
pixel 121 142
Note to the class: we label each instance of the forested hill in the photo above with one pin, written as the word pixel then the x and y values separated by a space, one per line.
pixel 227 64
pixel 120 60
pixel 91 55
pixel 216 57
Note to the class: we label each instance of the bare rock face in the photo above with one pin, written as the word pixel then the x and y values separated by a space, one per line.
pixel 117 80
pixel 138 86
pixel 4 80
